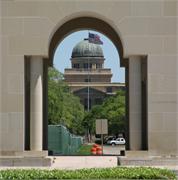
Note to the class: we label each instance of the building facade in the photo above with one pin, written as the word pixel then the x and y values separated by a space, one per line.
pixel 146 38
pixel 88 79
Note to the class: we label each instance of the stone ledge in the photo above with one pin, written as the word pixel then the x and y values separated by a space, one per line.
pixel 23 154
pixel 7 153
pixel 25 162
pixel 147 161
pixel 32 153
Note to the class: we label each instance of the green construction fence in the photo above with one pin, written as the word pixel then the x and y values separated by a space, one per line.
pixel 61 141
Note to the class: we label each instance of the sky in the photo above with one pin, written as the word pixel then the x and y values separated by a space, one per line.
pixel 64 50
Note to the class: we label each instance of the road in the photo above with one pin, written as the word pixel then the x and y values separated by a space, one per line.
pixel 113 150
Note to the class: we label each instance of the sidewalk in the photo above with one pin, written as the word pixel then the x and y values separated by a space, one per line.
pixel 70 162
pixel 79 162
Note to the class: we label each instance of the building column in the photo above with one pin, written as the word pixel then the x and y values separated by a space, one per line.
pixel 135 109
pixel 36 104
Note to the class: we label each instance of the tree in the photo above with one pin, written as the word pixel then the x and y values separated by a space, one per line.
pixel 113 109
pixel 63 107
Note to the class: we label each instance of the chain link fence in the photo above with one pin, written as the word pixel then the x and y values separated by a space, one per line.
pixel 61 141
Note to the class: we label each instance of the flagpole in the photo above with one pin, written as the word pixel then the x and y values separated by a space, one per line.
pixel 88 94
pixel 88 106
pixel 94 38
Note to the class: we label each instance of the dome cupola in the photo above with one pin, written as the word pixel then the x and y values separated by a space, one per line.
pixel 87 49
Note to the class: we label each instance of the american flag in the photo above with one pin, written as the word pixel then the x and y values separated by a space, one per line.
pixel 94 38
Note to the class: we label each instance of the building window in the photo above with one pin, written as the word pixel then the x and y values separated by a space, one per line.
pixel 109 89
pixel 87 80
pixel 98 101
pixel 98 66
pixel 86 103
pixel 85 65
pixel 76 66
pixel 90 65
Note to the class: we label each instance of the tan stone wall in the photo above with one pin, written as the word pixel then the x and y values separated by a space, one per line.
pixel 99 88
pixel 135 103
pixel 146 28
pixel 81 78
pixel 162 100
pixel 0 74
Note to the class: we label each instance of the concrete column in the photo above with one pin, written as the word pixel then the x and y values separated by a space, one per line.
pixel 36 104
pixel 93 66
pixel 135 134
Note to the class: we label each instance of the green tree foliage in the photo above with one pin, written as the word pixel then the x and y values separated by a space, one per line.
pixel 63 107
pixel 113 109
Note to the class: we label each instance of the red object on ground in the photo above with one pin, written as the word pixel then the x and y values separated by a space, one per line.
pixel 93 150
pixel 99 150
pixel 95 145
pixel 96 149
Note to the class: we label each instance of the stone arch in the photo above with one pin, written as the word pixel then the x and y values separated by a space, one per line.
pixel 97 23
pixel 93 23
pixel 81 23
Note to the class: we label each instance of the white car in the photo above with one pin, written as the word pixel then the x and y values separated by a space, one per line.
pixel 118 141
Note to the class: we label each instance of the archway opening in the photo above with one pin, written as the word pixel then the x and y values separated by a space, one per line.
pixel 88 23
pixel 91 72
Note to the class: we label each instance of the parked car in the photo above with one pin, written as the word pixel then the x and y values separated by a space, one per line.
pixel 108 138
pixel 118 141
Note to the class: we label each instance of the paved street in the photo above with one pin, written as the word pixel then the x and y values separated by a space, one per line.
pixel 113 150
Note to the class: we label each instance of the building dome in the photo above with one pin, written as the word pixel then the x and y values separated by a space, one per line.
pixel 87 49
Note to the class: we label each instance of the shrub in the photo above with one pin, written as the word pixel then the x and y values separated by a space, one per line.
pixel 104 173
pixel 98 141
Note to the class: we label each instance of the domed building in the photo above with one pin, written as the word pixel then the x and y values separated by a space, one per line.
pixel 88 79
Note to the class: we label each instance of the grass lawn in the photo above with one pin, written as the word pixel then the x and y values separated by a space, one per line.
pixel 84 150
pixel 95 173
